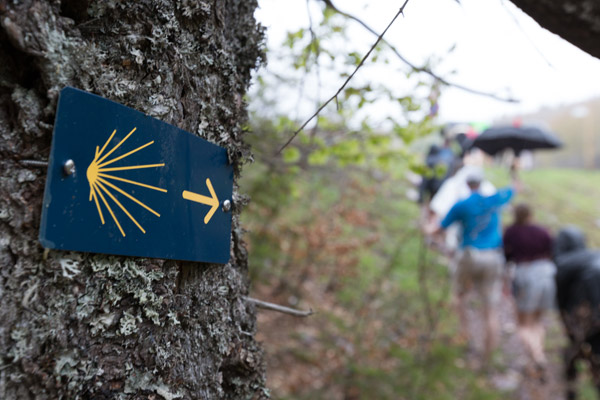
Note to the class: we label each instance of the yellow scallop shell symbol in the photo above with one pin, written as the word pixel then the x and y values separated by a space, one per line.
pixel 103 183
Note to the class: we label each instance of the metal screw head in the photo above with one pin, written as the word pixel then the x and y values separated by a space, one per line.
pixel 69 167
pixel 226 206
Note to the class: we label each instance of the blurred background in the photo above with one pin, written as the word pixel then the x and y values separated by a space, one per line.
pixel 333 223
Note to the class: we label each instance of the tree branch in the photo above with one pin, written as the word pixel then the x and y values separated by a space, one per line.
pixel 347 80
pixel 426 70
pixel 276 307
pixel 313 38
pixel 518 24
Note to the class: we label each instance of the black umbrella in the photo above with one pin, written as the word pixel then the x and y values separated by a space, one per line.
pixel 517 138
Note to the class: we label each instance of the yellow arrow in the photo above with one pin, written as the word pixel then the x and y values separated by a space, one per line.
pixel 212 201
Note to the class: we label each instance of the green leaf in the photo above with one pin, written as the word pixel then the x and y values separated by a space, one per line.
pixel 291 154
pixel 354 58
pixel 327 14
pixel 293 37
pixel 318 157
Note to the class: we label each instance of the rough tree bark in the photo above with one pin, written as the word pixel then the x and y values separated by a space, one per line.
pixel 577 21
pixel 91 326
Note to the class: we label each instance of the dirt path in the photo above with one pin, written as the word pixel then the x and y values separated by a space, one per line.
pixel 508 372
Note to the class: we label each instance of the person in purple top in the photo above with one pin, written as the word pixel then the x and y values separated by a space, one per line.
pixel 528 247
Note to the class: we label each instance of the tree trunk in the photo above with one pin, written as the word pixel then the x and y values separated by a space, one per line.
pixel 577 21
pixel 76 325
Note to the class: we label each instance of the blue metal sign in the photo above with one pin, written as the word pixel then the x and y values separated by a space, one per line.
pixel 121 182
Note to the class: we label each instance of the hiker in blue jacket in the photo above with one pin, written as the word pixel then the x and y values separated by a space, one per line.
pixel 479 263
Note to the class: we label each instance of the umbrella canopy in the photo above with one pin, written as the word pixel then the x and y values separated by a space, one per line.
pixel 517 138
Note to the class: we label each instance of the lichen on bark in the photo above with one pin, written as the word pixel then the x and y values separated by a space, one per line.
pixel 77 325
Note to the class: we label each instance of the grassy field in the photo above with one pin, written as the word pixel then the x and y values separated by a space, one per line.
pixel 560 197
pixel 346 244
pixel 566 197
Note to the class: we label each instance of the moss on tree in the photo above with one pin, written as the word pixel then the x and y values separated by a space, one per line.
pixel 75 325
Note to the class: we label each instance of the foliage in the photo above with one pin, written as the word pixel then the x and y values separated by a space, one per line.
pixel 310 66
pixel 320 231
pixel 345 241
pixel 329 227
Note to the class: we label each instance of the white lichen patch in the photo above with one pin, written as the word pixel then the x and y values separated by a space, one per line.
pixel 85 307
pixel 26 176
pixel 70 265
pixel 66 365
pixel 172 317
pixel 102 323
pixel 124 279
pixel 192 8
pixel 19 349
pixel 75 369
pixel 222 290
pixel 128 323
pixel 100 264
pixel 31 294
pixel 144 381
pixel 151 314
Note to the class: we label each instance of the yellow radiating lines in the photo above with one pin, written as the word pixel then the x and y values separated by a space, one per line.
pixel 132 182
pixel 117 202
pixel 100 186
pixel 131 167
pixel 107 183
pixel 125 155
pixel 93 194
pixel 109 209
pixel 116 147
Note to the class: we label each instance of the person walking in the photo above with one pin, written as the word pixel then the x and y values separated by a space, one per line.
pixel 437 157
pixel 578 298
pixel 479 260
pixel 528 249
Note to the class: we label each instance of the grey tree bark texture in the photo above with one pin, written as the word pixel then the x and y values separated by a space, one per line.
pixel 576 21
pixel 86 326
